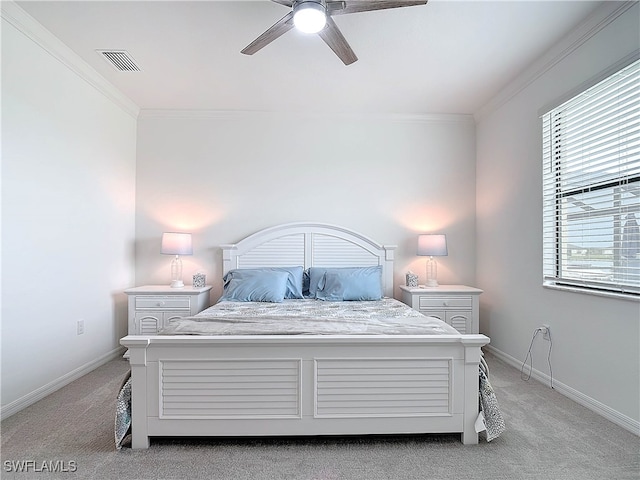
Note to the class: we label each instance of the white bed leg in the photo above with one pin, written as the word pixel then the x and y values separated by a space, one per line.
pixel 469 438
pixel 138 362
pixel 139 442
pixel 471 390
pixel 139 437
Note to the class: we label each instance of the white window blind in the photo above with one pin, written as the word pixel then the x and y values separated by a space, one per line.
pixel 591 187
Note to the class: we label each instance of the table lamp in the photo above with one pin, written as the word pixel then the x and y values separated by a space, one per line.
pixel 176 244
pixel 432 245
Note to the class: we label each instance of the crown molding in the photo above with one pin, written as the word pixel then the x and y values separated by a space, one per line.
pixel 33 30
pixel 356 116
pixel 594 23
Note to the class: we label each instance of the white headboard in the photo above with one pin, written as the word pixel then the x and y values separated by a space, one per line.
pixel 310 245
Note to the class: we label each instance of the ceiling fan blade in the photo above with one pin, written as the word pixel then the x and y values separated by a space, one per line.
pixel 279 28
pixel 286 3
pixel 342 7
pixel 333 37
pixel 333 6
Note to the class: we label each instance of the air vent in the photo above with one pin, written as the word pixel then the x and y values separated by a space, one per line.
pixel 121 60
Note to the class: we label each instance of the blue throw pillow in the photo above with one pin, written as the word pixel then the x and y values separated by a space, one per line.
pixel 259 287
pixel 348 284
pixel 294 280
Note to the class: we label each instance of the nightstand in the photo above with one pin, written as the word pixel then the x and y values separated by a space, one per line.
pixel 151 307
pixel 458 305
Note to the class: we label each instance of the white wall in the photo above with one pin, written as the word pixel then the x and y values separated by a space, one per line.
pixel 68 179
pixel 69 185
pixel 596 354
pixel 224 176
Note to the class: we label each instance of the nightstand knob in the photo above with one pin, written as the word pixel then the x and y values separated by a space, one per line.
pixel 446 304
pixel 160 304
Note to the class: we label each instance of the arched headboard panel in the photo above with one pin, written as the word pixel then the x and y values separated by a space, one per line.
pixel 310 245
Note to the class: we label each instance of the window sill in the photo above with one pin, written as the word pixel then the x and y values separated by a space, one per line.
pixel 598 293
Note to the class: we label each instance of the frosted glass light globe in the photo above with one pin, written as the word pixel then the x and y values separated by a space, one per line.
pixel 309 17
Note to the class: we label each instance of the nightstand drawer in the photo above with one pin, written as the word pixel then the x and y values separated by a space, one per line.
pixel 173 302
pixel 427 302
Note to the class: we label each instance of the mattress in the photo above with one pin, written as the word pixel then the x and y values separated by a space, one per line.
pixel 309 317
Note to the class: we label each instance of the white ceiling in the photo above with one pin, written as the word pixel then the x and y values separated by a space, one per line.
pixel 443 57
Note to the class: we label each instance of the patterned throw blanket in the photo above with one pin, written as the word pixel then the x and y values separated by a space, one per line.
pixel 309 317
pixel 490 417
pixel 123 412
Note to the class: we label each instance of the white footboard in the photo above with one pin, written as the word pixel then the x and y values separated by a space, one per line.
pixel 303 385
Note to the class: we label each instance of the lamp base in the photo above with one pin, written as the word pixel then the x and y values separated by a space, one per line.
pixel 176 273
pixel 432 273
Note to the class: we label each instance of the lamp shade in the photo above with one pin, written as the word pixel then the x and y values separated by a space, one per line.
pixel 176 244
pixel 432 245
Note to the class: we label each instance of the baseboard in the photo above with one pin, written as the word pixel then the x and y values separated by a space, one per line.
pixel 31 398
pixel 600 408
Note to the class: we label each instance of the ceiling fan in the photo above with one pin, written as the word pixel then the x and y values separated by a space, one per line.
pixel 314 16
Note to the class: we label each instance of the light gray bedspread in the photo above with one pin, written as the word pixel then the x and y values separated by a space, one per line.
pixel 309 317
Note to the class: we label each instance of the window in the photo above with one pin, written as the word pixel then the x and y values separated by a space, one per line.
pixel 591 187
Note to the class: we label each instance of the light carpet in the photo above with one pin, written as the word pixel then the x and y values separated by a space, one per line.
pixel 548 436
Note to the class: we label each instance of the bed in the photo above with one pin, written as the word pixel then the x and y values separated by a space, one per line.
pixel 276 384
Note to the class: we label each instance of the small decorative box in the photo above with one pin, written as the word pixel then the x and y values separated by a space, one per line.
pixel 199 280
pixel 412 279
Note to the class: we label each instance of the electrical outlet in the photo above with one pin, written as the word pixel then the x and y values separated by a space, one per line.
pixel 546 333
pixel 80 327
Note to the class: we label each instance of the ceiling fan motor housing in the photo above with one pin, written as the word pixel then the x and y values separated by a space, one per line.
pixel 298 3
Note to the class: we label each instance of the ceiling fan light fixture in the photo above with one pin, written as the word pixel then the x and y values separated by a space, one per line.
pixel 309 16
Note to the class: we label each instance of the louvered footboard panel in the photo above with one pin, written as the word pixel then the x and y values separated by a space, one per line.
pixel 383 388
pixel 217 389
